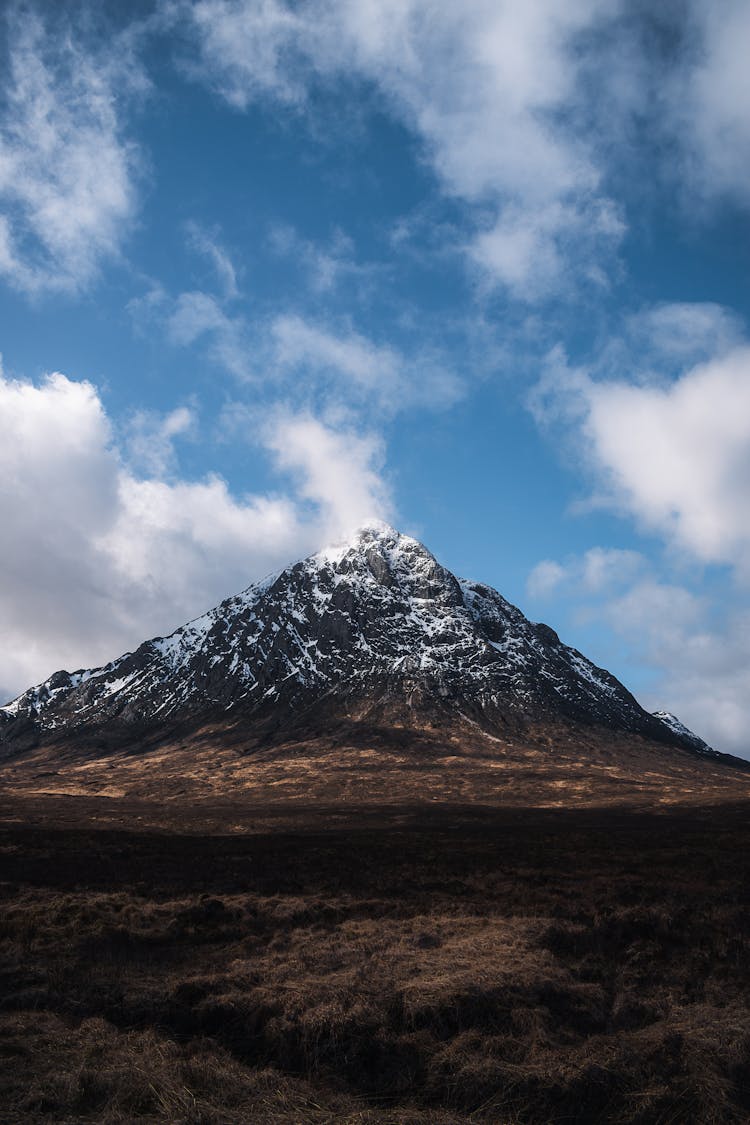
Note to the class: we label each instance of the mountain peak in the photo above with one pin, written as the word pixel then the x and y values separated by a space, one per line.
pixel 374 532
pixel 372 625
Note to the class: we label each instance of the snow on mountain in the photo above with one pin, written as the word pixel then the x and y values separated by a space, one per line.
pixel 373 617
pixel 683 732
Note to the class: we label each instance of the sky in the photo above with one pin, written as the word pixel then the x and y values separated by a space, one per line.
pixel 271 269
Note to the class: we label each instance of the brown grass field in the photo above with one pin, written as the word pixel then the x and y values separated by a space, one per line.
pixel 220 959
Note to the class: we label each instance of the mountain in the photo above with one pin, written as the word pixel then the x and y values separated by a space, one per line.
pixel 371 630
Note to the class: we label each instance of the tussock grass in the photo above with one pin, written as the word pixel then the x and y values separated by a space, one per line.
pixel 521 971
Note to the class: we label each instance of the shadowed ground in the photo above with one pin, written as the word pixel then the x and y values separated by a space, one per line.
pixel 436 962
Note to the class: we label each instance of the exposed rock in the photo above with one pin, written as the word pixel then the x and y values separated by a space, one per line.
pixel 374 627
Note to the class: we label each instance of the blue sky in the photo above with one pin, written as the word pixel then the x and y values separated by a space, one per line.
pixel 270 269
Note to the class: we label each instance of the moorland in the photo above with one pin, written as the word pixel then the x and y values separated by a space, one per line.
pixel 215 960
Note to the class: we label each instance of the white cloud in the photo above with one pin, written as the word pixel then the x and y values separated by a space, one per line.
pixel 545 578
pixel 523 111
pixel 486 86
pixel 337 470
pixel 302 357
pixel 300 342
pixel 95 558
pixel 67 173
pixel 151 437
pixel 359 369
pixel 684 332
pixel 710 100
pixel 670 448
pixel 703 658
pixel 679 457
pixel 700 654
pixel 675 455
pixel 197 314
pixel 597 570
pixel 246 48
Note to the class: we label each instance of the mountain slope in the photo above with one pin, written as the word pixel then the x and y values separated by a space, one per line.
pixel 374 627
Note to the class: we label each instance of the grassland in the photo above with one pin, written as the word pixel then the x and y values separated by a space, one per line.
pixel 375 964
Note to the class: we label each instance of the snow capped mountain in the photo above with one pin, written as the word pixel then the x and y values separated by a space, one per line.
pixel 371 626
pixel 683 732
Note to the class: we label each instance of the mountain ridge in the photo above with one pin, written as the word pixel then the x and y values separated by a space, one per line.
pixel 372 626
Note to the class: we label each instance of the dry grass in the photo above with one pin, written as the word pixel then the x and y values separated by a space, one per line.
pixel 356 763
pixel 441 967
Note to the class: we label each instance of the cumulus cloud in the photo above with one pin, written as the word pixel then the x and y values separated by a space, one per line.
pixel 668 446
pixel 67 170
pixel 338 470
pixel 673 454
pixel 97 557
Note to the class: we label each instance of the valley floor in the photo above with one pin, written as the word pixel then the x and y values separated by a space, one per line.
pixel 416 963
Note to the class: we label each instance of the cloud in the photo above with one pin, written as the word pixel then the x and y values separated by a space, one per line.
pixel 67 172
pixel 337 470
pixel 194 315
pixel 528 114
pixel 302 357
pixel 246 49
pixel 673 454
pixel 357 358
pixel 597 570
pixel 490 89
pixel 151 436
pixel 358 368
pixel 96 558
pixel 710 97
pixel 698 651
pixel 684 332
pixel 668 445
pixel 329 264
pixel 702 656
pixel 207 243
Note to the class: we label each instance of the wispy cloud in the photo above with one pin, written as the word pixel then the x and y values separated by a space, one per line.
pixel 697 650
pixel 150 439
pixel 486 88
pixel 329 264
pixel 208 244
pixel 67 170
pixel 337 468
pixel 596 571
pixel 526 114
pixel 709 100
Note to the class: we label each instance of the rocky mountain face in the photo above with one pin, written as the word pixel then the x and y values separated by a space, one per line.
pixel 374 628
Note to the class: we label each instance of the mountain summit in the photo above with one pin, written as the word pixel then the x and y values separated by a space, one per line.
pixel 373 628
